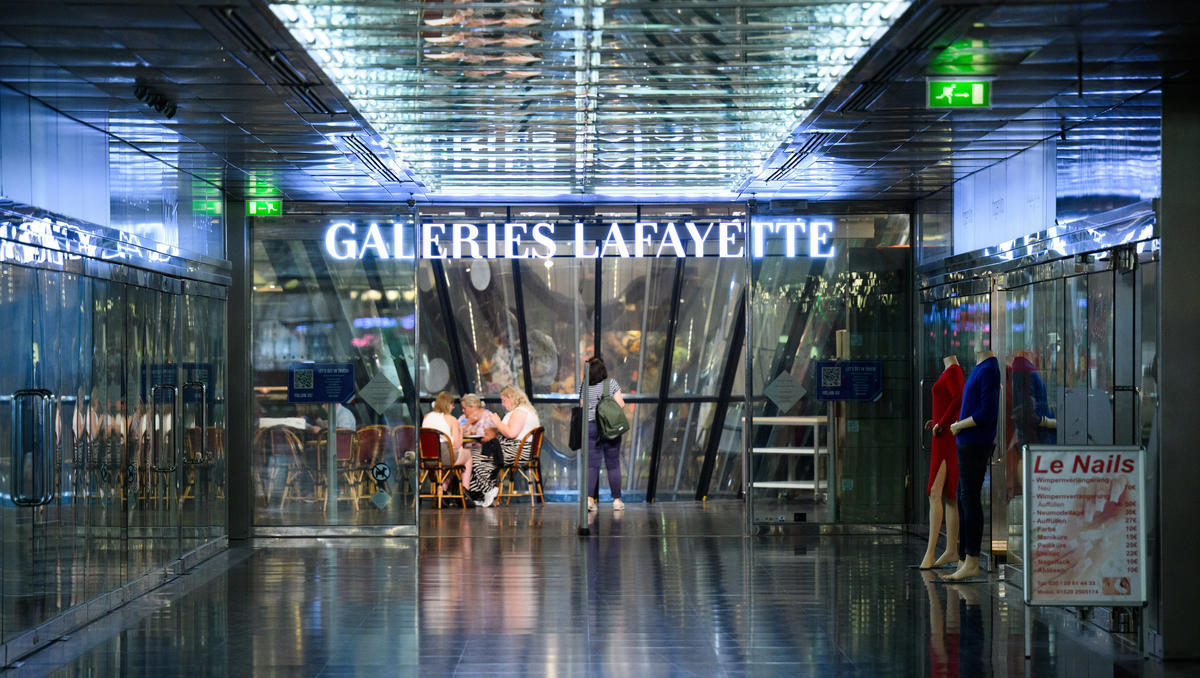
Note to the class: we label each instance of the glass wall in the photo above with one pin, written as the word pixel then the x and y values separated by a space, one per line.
pixel 123 171
pixel 533 321
pixel 112 429
pixel 312 307
pixel 956 320
pixel 671 328
pixel 830 461
pixel 112 389
pixel 1076 339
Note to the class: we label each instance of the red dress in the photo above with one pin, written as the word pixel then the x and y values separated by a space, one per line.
pixel 947 400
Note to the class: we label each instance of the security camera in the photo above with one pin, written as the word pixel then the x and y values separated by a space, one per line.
pixel 410 202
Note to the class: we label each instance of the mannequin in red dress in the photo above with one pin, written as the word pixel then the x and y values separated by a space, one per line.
pixel 943 465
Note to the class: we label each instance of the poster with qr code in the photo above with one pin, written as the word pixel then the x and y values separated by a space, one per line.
pixel 303 381
pixel 320 382
pixel 849 380
pixel 831 377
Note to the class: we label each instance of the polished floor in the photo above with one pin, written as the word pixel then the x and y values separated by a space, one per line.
pixel 661 590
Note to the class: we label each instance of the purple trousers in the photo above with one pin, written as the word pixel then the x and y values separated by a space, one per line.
pixel 610 452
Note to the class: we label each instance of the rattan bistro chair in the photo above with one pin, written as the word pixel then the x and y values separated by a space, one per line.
pixel 300 479
pixel 528 466
pixel 429 453
pixel 404 453
pixel 372 445
pixel 346 465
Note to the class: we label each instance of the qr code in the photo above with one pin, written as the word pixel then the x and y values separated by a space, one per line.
pixel 303 380
pixel 831 376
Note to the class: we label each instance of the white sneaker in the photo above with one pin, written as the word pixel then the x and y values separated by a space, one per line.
pixel 618 505
pixel 490 496
pixel 591 504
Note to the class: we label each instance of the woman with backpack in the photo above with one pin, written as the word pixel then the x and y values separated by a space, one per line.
pixel 600 448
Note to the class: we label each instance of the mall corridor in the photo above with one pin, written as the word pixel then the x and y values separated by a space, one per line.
pixel 665 590
pixel 868 325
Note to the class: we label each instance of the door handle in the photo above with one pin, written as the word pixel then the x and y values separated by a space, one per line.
pixel 154 430
pixel 32 443
pixel 202 425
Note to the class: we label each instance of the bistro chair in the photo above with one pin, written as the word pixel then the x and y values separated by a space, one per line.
pixel 431 467
pixel 204 459
pixel 347 444
pixel 528 466
pixel 372 443
pixel 404 452
pixel 270 451
pixel 191 447
pixel 280 442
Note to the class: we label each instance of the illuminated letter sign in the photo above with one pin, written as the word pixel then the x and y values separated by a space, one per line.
pixel 345 240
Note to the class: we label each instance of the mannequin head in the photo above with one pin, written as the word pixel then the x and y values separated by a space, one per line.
pixel 950 360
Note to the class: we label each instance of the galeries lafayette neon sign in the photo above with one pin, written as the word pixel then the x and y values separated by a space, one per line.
pixel 522 240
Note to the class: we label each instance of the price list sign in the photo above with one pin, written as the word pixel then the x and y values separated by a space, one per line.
pixel 1085 535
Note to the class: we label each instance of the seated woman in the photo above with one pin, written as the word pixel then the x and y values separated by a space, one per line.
pixel 520 420
pixel 441 419
pixel 475 423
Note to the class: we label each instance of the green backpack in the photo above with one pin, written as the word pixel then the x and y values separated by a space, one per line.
pixel 611 422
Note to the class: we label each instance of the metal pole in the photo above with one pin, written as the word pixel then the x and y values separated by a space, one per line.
pixel 583 451
pixel 1028 631
pixel 522 328
pixel 715 431
pixel 748 421
pixel 664 385
pixel 414 398
pixel 331 517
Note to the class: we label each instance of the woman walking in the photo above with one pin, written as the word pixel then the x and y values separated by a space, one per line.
pixel 599 385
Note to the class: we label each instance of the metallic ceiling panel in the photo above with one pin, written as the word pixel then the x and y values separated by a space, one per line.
pixel 597 100
pixel 1054 67
pixel 84 58
pixel 579 97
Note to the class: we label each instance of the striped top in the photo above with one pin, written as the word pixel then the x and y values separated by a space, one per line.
pixel 595 391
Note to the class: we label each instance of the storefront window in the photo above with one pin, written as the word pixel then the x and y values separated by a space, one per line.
pixel 461 319
pixel 312 307
pixel 829 460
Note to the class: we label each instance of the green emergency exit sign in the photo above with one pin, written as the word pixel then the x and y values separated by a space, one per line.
pixel 264 208
pixel 959 93
pixel 210 207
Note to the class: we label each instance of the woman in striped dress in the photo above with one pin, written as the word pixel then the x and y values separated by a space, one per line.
pixel 520 420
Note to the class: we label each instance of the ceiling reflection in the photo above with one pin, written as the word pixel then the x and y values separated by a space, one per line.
pixel 562 97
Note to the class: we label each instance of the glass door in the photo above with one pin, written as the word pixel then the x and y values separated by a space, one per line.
pixel 807 459
pixel 1032 329
pixel 48 565
pixel 1072 363
pixel 956 320
pixel 153 451
pixel 29 384
pixel 363 311
pixel 104 435
pixel 202 408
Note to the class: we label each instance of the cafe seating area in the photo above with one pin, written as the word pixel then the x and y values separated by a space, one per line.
pixel 294 464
